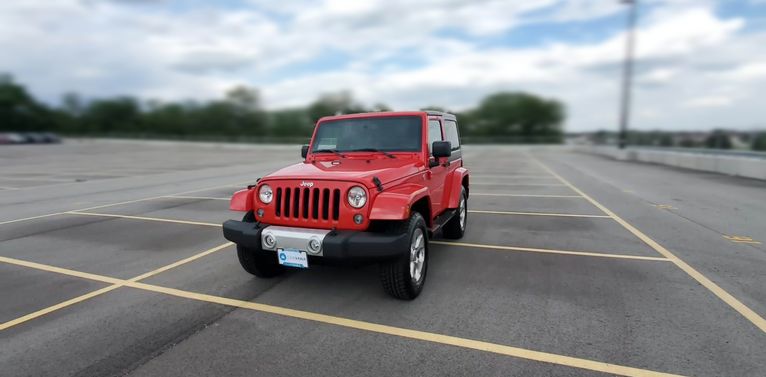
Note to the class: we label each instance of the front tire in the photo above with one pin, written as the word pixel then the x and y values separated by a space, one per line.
pixel 455 227
pixel 262 264
pixel 404 277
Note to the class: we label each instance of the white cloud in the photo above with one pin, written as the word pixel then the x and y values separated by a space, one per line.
pixel 708 101
pixel 392 51
pixel 745 72
pixel 658 76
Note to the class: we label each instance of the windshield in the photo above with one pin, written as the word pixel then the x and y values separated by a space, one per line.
pixel 386 134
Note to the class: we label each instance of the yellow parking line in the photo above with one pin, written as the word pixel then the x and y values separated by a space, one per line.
pixel 732 301
pixel 512 176
pixel 116 283
pixel 37 179
pixel 159 196
pixel 142 218
pixel 549 251
pixel 500 349
pixel 58 306
pixel 120 203
pixel 514 184
pixel 182 261
pixel 526 195
pixel 742 239
pixel 60 270
pixel 749 242
pixel 195 197
pixel 31 218
pixel 536 214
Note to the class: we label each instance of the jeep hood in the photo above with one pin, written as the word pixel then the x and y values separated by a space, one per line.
pixel 347 169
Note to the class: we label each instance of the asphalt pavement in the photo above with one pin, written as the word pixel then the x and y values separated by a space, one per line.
pixel 112 262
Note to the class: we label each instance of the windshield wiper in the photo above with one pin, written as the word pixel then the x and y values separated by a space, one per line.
pixel 389 155
pixel 329 151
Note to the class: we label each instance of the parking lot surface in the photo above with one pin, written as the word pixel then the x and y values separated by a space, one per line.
pixel 112 262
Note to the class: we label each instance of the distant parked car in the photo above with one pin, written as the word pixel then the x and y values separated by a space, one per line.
pixel 18 138
pixel 29 138
pixel 11 138
pixel 33 137
pixel 51 137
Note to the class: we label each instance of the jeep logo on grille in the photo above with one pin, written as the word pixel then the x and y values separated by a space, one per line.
pixel 307 184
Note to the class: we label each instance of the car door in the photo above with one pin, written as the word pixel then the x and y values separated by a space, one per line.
pixel 452 135
pixel 436 175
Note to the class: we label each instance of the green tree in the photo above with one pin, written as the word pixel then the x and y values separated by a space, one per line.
pixel 244 99
pixel 19 111
pixel 524 116
pixel 504 116
pixel 291 122
pixel 666 140
pixel 718 139
pixel 246 117
pixel 380 107
pixel 72 104
pixel 759 142
pixel 435 108
pixel 334 103
pixel 688 143
pixel 112 116
pixel 168 119
pixel 601 137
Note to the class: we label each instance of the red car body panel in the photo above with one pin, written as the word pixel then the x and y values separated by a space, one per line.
pixel 358 167
pixel 395 204
pixel 454 184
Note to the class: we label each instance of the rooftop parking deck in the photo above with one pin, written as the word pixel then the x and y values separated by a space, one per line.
pixel 112 262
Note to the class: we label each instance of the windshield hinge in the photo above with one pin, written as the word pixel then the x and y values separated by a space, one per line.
pixel 377 183
pixel 249 187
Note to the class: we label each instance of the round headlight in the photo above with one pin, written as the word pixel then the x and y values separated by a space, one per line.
pixel 357 197
pixel 265 194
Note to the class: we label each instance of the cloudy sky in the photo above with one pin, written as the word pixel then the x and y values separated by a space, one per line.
pixel 701 63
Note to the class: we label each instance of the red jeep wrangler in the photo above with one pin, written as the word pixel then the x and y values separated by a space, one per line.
pixel 372 187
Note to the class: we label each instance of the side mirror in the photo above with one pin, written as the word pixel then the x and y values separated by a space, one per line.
pixel 441 149
pixel 304 150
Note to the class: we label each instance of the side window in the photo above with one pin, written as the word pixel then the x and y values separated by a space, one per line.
pixel 451 135
pixel 434 133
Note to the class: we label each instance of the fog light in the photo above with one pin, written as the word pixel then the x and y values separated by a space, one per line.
pixel 358 218
pixel 260 212
pixel 314 246
pixel 269 241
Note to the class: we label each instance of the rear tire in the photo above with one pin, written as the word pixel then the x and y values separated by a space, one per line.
pixel 455 227
pixel 404 277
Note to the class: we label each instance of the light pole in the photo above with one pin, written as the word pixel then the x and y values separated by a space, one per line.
pixel 627 73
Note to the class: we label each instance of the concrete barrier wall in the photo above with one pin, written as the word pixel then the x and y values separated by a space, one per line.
pixel 742 166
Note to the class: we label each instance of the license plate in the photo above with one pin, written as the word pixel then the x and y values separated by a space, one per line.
pixel 293 258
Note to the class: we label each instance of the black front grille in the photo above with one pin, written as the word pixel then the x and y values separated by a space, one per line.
pixel 307 203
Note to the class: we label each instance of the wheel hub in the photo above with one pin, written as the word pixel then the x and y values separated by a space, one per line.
pixel 417 255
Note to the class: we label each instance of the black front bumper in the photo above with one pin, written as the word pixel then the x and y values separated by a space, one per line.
pixel 338 245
